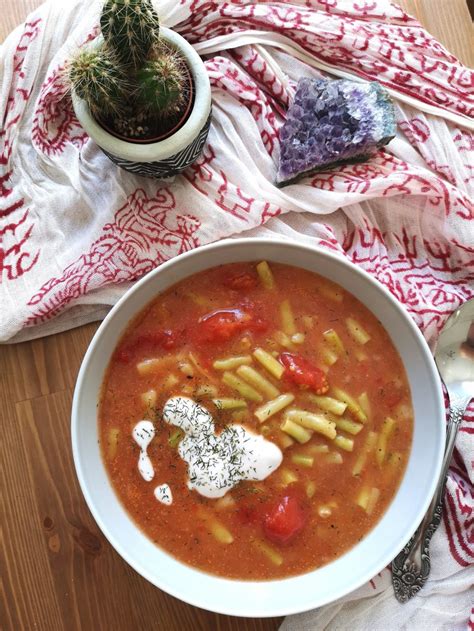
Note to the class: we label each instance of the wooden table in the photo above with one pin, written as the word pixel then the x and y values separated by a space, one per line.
pixel 59 572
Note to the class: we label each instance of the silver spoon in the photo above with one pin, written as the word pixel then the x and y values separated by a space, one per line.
pixel 454 357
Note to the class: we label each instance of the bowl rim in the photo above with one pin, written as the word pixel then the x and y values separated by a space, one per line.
pixel 281 610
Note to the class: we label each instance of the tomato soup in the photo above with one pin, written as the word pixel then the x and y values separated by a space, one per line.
pixel 255 420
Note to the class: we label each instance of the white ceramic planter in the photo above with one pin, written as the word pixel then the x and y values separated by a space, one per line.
pixel 170 156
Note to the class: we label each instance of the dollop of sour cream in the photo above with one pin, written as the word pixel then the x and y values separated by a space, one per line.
pixel 143 433
pixel 217 462
pixel 163 494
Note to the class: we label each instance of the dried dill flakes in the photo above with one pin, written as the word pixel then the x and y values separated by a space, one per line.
pixel 217 462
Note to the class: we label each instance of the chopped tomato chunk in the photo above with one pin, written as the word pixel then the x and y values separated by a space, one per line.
pixel 300 371
pixel 166 339
pixel 391 393
pixel 242 281
pixel 223 324
pixel 285 520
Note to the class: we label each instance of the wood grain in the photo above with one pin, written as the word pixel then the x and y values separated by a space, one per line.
pixel 449 21
pixel 59 573
pixel 13 12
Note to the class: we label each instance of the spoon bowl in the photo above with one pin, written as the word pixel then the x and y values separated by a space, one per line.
pixel 454 353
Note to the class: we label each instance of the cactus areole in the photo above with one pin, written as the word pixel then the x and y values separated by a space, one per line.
pixel 136 84
pixel 130 28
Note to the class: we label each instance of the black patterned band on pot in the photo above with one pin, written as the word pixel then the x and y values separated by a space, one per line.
pixel 169 166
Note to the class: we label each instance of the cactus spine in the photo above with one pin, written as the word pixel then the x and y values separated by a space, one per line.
pixel 161 83
pixel 99 81
pixel 130 28
pixel 132 73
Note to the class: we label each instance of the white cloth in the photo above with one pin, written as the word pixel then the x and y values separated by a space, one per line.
pixel 76 231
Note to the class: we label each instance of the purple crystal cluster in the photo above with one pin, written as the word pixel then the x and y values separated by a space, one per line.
pixel 332 122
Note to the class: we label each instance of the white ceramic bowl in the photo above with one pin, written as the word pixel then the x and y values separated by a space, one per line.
pixel 321 586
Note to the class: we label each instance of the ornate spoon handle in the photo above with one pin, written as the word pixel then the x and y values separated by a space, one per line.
pixel 411 567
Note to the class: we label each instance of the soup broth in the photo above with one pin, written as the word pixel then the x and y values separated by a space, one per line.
pixel 255 420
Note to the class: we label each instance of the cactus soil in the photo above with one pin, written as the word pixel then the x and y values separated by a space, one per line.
pixel 143 127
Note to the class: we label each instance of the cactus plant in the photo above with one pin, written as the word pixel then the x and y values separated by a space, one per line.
pixel 130 28
pixel 161 85
pixel 99 81
pixel 131 73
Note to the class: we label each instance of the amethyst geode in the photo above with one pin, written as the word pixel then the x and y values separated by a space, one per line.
pixel 333 122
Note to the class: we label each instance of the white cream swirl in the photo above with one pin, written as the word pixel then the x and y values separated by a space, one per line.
pixel 217 462
pixel 143 433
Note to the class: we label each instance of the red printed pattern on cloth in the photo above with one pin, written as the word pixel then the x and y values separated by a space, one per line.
pixel 17 256
pixel 419 136
pixel 145 232
pixel 19 90
pixel 226 75
pixel 386 175
pixel 215 184
pixel 458 515
pixel 257 67
pixel 401 55
pixel 54 122
pixel 229 198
